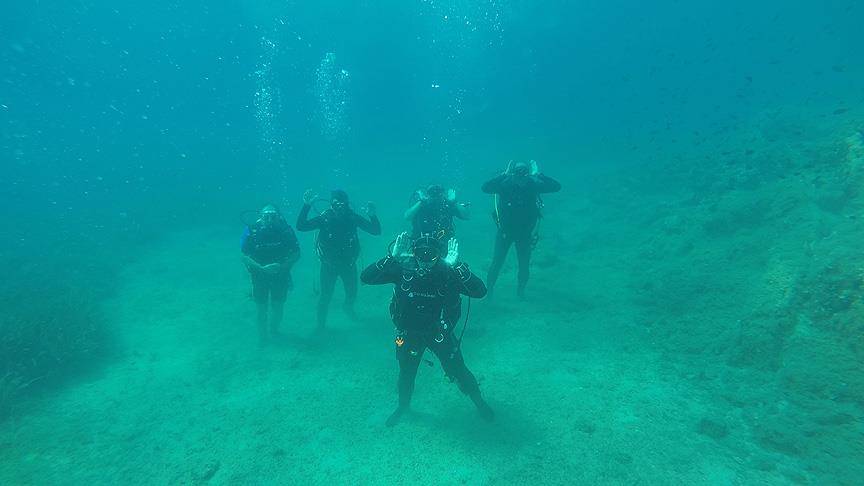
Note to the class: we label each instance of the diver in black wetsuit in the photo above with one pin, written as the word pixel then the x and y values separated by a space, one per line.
pixel 517 210
pixel 338 246
pixel 425 308
pixel 270 249
pixel 432 211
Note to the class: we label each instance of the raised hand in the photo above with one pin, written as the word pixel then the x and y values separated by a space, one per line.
pixel 400 246
pixel 451 195
pixel 534 169
pixel 452 252
pixel 309 197
pixel 371 210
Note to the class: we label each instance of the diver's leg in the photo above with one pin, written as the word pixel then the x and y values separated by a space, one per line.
pixel 454 366
pixel 279 286
pixel 260 294
pixel 409 361
pixel 277 308
pixel 523 254
pixel 349 281
pixel 502 245
pixel 328 284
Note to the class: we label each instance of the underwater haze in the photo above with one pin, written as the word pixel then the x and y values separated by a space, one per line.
pixel 694 313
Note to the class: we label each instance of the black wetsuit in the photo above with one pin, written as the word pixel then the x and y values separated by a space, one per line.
pixel 517 213
pixel 425 310
pixel 338 247
pixel 268 245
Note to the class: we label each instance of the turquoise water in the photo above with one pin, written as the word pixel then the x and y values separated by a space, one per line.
pixel 694 310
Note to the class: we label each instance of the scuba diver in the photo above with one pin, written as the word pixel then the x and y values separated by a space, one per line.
pixel 431 212
pixel 337 245
pixel 517 211
pixel 425 308
pixel 269 249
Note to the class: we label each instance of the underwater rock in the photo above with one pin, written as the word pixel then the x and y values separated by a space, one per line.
pixel 712 429
pixel 586 427
pixel 855 147
pixel 828 291
pixel 207 472
pixel 759 345
pixel 835 419
pixel 736 216
pixel 622 458
pixel 779 441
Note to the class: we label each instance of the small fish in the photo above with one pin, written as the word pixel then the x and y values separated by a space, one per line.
pixel 840 111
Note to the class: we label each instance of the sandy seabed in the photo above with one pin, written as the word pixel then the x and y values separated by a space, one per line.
pixel 193 399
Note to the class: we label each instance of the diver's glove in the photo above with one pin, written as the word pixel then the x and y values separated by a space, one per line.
pixel 452 252
pixel 509 170
pixel 397 250
pixel 309 197
pixel 534 169
pixel 451 195
pixel 401 246
pixel 400 249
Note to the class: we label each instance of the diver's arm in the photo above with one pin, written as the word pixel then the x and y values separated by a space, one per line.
pixel 469 283
pixel 245 251
pixel 546 184
pixel 494 186
pixel 412 211
pixel 251 264
pixel 461 211
pixel 303 221
pixel 294 253
pixel 371 225
pixel 384 271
